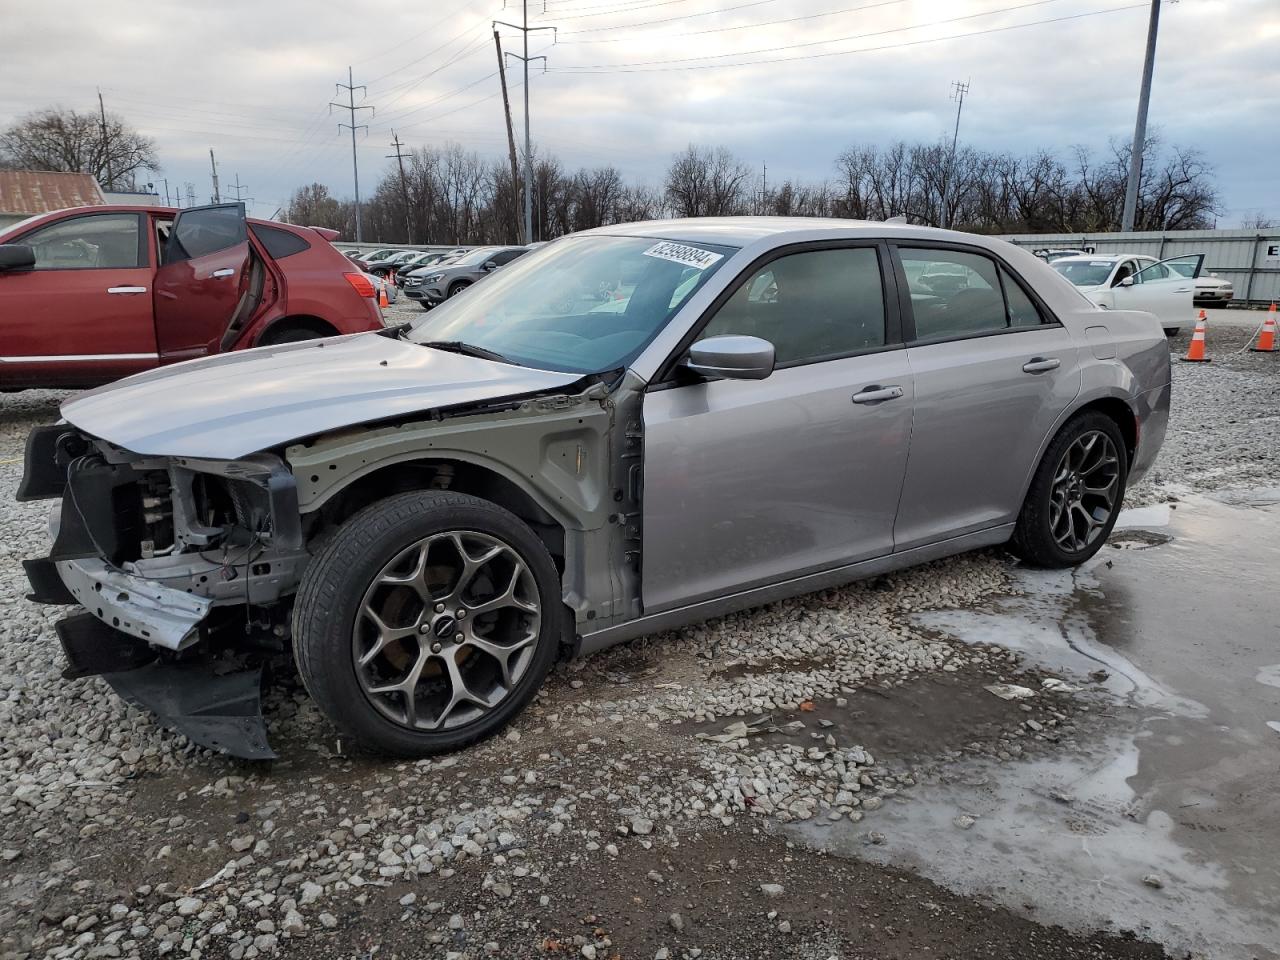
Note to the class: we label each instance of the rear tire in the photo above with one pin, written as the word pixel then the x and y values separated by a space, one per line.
pixel 1075 494
pixel 427 622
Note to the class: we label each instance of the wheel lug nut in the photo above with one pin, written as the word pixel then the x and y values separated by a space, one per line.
pixel 435 648
pixel 461 614
pixel 424 628
pixel 460 637
pixel 439 608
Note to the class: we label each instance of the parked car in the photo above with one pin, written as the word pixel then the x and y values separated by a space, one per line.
pixel 389 264
pixel 1049 256
pixel 1136 282
pixel 92 294
pixel 433 514
pixel 458 274
pixel 426 260
pixel 1210 289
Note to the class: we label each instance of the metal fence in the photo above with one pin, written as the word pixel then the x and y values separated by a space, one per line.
pixel 1249 259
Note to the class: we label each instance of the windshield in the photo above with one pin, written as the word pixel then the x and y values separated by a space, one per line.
pixel 1084 273
pixel 579 305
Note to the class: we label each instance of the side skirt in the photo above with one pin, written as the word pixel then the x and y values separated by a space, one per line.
pixel 695 613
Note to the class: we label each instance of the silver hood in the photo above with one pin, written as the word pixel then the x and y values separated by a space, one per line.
pixel 231 405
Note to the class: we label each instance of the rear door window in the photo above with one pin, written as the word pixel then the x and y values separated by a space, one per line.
pixel 202 231
pixel 953 293
pixel 280 243
pixel 93 242
pixel 1022 309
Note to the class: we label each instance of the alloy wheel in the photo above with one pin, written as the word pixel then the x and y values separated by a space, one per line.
pixel 446 630
pixel 1084 491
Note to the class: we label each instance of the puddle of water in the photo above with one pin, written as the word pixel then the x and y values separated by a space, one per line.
pixel 1186 786
pixel 1154 516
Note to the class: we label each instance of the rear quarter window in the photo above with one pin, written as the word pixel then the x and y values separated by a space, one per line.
pixel 279 243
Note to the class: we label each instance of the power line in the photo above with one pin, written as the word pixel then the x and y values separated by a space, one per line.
pixel 740 26
pixel 819 43
pixel 351 107
pixel 636 67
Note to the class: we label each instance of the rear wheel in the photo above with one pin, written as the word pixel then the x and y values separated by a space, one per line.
pixel 427 622
pixel 288 335
pixel 1075 495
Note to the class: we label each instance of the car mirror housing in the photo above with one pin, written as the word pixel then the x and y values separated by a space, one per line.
pixel 17 256
pixel 490 265
pixel 732 358
pixel 1126 282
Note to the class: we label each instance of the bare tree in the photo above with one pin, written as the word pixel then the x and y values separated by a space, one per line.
pixel 314 206
pixel 596 194
pixel 707 183
pixel 66 141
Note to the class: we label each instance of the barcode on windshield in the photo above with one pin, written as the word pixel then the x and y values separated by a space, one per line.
pixel 680 253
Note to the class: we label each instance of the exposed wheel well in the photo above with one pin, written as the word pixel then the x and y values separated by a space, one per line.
pixel 444 475
pixel 1118 411
pixel 312 325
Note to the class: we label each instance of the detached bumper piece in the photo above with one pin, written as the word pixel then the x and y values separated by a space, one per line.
pixel 211 707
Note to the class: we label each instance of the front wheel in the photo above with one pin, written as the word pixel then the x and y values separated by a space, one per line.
pixel 1075 495
pixel 458 287
pixel 427 622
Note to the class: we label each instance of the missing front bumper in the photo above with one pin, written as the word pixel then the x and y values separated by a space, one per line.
pixel 213 703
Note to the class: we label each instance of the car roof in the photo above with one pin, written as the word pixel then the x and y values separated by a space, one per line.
pixel 744 231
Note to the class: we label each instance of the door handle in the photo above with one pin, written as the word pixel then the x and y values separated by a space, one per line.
pixel 126 289
pixel 1041 364
pixel 224 272
pixel 877 394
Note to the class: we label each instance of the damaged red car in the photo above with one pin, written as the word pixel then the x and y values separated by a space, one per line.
pixel 92 294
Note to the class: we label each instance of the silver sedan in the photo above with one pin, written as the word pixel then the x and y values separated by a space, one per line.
pixel 624 431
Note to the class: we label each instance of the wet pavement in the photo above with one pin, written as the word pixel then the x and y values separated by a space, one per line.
pixel 1167 821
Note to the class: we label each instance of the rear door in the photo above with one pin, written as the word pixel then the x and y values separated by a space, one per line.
pixel 205 281
pixel 82 315
pixel 993 372
pixel 1158 288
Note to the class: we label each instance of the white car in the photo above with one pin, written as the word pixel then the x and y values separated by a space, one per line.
pixel 1211 290
pixel 1137 282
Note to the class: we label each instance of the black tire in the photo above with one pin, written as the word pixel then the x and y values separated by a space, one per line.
pixel 458 286
pixel 334 586
pixel 1033 537
pixel 288 335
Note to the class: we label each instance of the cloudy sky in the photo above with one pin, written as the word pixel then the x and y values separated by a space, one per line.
pixel 787 83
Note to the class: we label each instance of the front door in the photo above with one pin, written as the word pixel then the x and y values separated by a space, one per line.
pixel 202 280
pixel 993 372
pixel 748 482
pixel 82 315
pixel 1161 289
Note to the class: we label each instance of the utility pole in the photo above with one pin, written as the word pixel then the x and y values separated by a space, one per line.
pixel 525 29
pixel 106 151
pixel 351 108
pixel 958 91
pixel 1140 127
pixel 511 137
pixel 213 165
pixel 240 191
pixel 764 187
pixel 165 181
pixel 404 186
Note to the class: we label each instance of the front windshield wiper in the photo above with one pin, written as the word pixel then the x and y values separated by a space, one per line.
pixel 467 350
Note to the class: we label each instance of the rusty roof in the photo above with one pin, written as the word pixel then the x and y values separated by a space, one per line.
pixel 28 192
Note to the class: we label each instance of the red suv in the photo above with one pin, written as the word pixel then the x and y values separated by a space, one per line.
pixel 91 294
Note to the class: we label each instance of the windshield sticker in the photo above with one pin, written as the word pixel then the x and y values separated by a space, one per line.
pixel 1100 263
pixel 679 253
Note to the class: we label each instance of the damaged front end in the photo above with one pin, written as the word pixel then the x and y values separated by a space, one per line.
pixel 180 565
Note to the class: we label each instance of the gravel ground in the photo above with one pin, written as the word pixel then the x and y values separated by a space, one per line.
pixel 630 812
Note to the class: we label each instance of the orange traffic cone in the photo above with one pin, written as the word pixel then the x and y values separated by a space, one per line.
pixel 382 295
pixel 1267 338
pixel 1195 352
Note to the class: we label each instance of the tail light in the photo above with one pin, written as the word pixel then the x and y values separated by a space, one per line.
pixel 361 284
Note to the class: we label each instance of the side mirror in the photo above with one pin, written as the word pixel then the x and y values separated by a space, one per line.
pixel 731 358
pixel 490 266
pixel 17 256
pixel 1126 282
